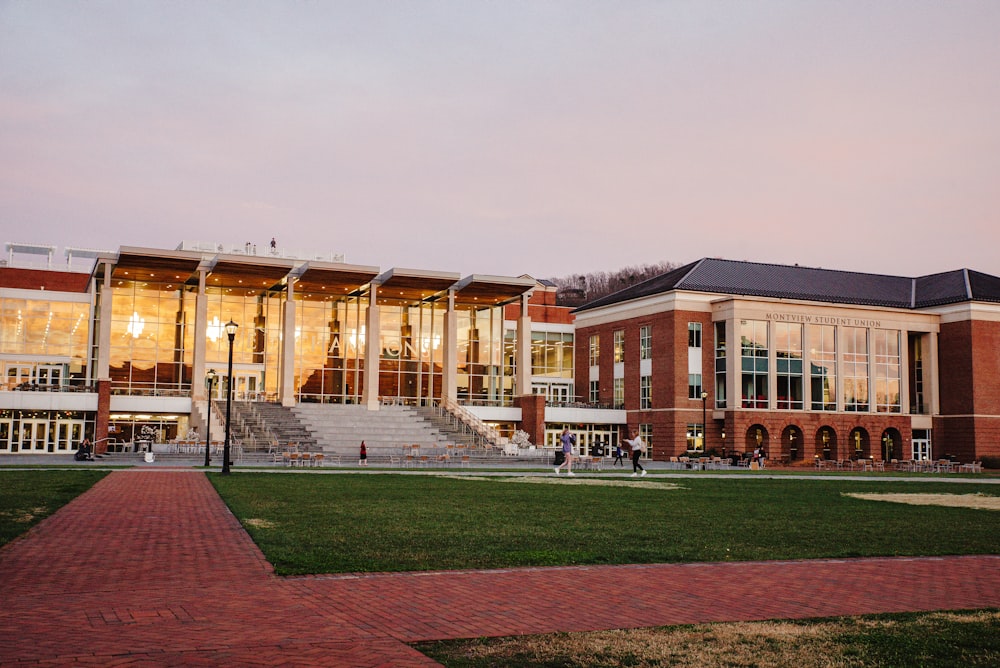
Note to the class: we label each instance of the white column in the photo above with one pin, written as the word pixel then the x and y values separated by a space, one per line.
pixel 932 381
pixel 286 364
pixel 198 369
pixel 904 372
pixel 103 369
pixel 369 397
pixel 523 380
pixel 734 369
pixel 449 378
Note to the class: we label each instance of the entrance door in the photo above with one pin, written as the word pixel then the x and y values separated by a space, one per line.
pixel 34 435
pixel 69 433
pixel 247 386
pixel 18 374
pixel 921 448
pixel 6 428
pixel 49 374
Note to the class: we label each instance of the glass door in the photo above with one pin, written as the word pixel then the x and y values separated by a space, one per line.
pixel 6 429
pixel 921 449
pixel 50 374
pixel 18 374
pixel 69 434
pixel 34 435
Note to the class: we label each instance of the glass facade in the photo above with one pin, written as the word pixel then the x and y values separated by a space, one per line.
pixel 822 342
pixel 152 337
pixel 788 365
pixel 753 355
pixel 886 345
pixel 329 350
pixel 43 342
pixel 855 368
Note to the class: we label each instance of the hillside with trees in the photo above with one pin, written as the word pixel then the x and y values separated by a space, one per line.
pixel 579 289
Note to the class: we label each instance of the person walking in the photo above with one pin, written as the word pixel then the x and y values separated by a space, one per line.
pixel 638 447
pixel 363 459
pixel 568 440
pixel 618 456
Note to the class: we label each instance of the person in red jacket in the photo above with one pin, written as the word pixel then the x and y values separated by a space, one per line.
pixel 363 461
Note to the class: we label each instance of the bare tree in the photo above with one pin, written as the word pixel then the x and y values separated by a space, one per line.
pixel 578 289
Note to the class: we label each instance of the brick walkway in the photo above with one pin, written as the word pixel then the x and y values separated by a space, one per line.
pixel 150 568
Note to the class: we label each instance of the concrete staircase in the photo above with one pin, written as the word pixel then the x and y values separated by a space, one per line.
pixel 340 428
pixel 282 425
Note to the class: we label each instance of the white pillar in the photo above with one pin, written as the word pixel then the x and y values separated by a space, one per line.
pixel 103 369
pixel 523 379
pixel 200 338
pixel 369 397
pixel 449 376
pixel 286 381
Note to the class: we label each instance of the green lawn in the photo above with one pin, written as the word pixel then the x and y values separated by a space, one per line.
pixel 29 496
pixel 372 523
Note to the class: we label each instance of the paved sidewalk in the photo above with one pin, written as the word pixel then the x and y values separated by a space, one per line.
pixel 150 568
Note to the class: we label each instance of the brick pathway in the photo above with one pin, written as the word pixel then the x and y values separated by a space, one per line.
pixel 150 568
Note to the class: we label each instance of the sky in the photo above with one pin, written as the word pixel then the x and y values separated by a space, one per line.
pixel 541 137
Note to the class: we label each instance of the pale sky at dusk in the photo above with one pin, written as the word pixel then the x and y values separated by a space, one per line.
pixel 509 137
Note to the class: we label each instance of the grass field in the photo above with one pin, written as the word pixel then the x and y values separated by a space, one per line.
pixel 373 523
pixel 906 640
pixel 356 523
pixel 29 496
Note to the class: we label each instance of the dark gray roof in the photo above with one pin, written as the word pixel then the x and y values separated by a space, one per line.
pixel 778 281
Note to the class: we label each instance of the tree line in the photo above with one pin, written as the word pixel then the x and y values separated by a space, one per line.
pixel 578 289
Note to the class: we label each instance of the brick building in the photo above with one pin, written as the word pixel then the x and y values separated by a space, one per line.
pixel 723 356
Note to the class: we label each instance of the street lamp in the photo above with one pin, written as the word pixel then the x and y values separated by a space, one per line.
pixel 704 422
pixel 209 384
pixel 231 333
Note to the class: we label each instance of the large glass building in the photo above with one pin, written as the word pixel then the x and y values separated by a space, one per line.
pixel 122 352
pixel 716 357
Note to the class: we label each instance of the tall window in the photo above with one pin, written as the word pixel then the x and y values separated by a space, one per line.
pixel 885 343
pixel 694 386
pixel 822 341
pixel 694 335
pixel 753 352
pixel 855 368
pixel 645 342
pixel 619 393
pixel 595 350
pixel 788 363
pixel 720 365
pixel 595 391
pixel 645 392
pixel 552 354
pixel 695 437
pixel 619 345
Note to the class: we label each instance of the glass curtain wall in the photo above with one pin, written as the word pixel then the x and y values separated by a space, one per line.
pixel 886 345
pixel 43 342
pixel 788 353
pixel 152 338
pixel 329 350
pixel 753 349
pixel 411 351
pixel 480 379
pixel 822 342
pixel 257 346
pixel 855 369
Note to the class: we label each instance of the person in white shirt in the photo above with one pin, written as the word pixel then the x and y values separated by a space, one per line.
pixel 638 447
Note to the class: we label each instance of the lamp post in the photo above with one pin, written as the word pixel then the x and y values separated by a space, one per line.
pixel 210 384
pixel 231 333
pixel 704 422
